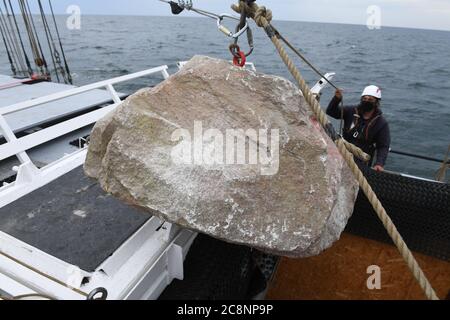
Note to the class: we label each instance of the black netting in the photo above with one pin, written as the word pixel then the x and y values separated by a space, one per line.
pixel 214 270
pixel 419 209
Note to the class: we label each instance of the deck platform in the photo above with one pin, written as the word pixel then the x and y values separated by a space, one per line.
pixel 72 219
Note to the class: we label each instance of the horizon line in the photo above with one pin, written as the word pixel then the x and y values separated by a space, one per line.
pixel 280 20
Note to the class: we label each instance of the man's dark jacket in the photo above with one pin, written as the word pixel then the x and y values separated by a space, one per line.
pixel 373 134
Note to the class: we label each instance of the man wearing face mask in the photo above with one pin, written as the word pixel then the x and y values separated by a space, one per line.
pixel 364 125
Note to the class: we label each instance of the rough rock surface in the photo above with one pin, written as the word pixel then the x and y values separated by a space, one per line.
pixel 147 153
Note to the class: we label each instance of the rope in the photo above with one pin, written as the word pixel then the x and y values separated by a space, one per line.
pixel 301 56
pixel 11 35
pixel 34 33
pixel 263 18
pixel 34 296
pixel 4 27
pixel 18 61
pixel 11 62
pixel 23 264
pixel 66 65
pixel 445 166
pixel 50 41
pixel 38 60
pixel 13 15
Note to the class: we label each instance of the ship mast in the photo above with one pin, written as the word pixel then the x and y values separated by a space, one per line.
pixel 21 32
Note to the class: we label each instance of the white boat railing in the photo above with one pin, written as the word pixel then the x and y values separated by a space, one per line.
pixel 29 177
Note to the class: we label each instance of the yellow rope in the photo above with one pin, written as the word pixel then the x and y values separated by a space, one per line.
pixel 354 150
pixel 263 17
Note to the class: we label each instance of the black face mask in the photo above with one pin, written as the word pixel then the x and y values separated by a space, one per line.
pixel 367 106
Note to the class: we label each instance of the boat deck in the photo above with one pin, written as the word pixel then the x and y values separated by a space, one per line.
pixel 72 219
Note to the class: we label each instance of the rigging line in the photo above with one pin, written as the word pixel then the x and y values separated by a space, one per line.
pixel 13 39
pixel 25 21
pixel 51 44
pixel 27 60
pixel 65 75
pixel 7 41
pixel 298 53
pixel 37 34
pixel 205 13
pixel 199 11
pixel 38 61
pixel 7 47
pixel 53 52
pixel 13 68
pixel 69 76
pixel 37 37
pixel 57 55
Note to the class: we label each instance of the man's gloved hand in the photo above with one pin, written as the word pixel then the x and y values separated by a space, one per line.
pixel 378 168
pixel 339 95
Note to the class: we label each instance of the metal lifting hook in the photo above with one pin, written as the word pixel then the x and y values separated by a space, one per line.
pixel 227 32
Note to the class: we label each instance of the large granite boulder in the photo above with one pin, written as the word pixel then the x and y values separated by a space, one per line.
pixel 230 153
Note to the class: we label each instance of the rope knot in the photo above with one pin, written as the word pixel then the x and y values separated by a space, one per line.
pixel 245 7
pixel 263 16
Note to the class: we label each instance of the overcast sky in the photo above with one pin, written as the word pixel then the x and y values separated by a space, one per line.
pixel 426 14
